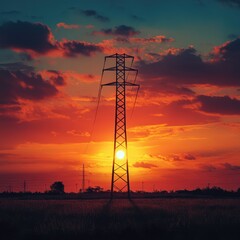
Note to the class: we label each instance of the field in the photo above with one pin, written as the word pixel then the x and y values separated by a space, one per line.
pixel 120 219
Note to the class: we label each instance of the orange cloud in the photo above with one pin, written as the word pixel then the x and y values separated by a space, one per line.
pixel 155 39
pixel 68 26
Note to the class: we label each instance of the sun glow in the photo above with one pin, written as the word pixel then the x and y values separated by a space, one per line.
pixel 120 154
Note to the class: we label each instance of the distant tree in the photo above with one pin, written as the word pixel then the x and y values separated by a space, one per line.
pixel 164 192
pixel 94 189
pixel 57 187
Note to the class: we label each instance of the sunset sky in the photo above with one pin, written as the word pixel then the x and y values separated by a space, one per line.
pixel 185 128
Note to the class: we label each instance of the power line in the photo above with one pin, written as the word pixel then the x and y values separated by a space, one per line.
pixel 96 110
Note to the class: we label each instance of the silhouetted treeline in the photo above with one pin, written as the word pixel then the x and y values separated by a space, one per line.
pixel 98 192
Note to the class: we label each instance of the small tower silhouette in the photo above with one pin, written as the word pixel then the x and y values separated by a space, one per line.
pixel 83 179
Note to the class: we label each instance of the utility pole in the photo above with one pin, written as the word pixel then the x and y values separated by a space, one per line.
pixel 83 179
pixel 24 186
pixel 120 172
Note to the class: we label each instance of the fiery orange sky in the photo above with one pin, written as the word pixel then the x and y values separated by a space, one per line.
pixel 185 128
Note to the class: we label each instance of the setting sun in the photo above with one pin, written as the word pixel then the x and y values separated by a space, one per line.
pixel 120 154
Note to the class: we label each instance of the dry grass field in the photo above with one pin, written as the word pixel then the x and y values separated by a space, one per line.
pixel 120 219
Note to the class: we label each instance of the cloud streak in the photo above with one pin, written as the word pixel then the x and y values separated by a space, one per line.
pixel 95 14
pixel 219 105
pixel 68 26
pixel 119 31
pixel 231 167
pixel 231 3
pixel 156 39
pixel 74 48
pixel 144 165
pixel 11 12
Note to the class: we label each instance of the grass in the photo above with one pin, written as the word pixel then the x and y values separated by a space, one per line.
pixel 120 219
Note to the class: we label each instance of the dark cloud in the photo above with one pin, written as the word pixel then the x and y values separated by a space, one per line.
pixel 137 18
pixel 166 88
pixel 181 157
pixel 175 157
pixel 6 155
pixel 200 3
pixel 73 48
pixel 180 112
pixel 156 39
pixel 208 168
pixel 122 30
pixel 229 53
pixel 35 17
pixel 15 85
pixel 231 3
pixel 25 56
pixel 231 167
pixel 57 78
pixel 189 156
pixel 186 67
pixel 16 66
pixel 5 109
pixel 232 36
pixel 143 165
pixel 26 35
pixel 38 38
pixel 95 14
pixel 220 105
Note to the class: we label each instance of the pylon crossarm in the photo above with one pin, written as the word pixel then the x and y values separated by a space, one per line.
pixel 130 69
pixel 119 55
pixel 109 84
pixel 123 69
pixel 129 84
pixel 109 69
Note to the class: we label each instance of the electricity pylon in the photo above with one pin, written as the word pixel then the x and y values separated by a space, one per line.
pixel 120 173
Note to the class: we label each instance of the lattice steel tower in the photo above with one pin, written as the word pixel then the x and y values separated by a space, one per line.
pixel 120 173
